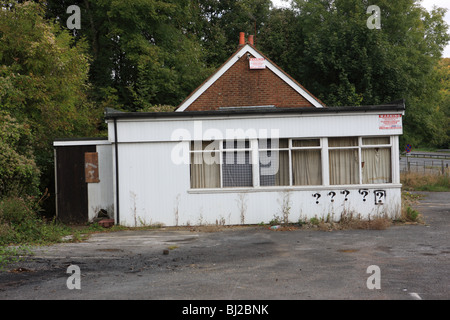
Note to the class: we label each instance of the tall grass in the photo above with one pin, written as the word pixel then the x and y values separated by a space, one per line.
pixel 414 181
pixel 21 225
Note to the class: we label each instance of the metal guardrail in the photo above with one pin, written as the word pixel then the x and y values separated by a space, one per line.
pixel 430 155
pixel 426 165
pixel 436 155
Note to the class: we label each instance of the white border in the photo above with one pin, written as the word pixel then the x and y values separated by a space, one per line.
pixel 80 143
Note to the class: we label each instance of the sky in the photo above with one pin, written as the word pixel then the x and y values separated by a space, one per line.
pixel 427 4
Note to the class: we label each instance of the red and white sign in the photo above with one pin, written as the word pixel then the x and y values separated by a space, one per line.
pixel 257 63
pixel 390 121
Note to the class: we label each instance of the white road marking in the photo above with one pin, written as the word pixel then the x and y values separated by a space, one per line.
pixel 415 296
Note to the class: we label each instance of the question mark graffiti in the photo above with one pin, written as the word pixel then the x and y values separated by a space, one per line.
pixel 346 192
pixel 317 196
pixel 380 195
pixel 364 193
pixel 332 194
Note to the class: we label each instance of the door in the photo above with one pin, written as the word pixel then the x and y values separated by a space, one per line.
pixel 71 186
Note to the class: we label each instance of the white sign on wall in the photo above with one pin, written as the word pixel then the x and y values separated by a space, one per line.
pixel 390 121
pixel 257 63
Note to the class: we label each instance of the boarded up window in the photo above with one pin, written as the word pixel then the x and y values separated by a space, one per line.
pixel 91 167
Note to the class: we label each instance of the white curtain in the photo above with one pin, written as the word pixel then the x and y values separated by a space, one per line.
pixel 343 163
pixel 376 165
pixel 306 167
pixel 204 175
pixel 205 166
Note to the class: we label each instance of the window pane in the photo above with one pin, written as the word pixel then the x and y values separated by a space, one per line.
pixel 204 145
pixel 306 143
pixel 374 141
pixel 274 168
pixel 306 167
pixel 204 175
pixel 344 166
pixel 236 144
pixel 376 165
pixel 273 143
pixel 237 169
pixel 343 142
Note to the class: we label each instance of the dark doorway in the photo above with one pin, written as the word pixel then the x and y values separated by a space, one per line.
pixel 71 186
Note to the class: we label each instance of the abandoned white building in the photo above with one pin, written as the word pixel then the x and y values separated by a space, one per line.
pixel 248 145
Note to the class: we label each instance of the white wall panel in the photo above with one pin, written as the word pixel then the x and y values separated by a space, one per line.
pixel 100 195
pixel 331 125
pixel 155 190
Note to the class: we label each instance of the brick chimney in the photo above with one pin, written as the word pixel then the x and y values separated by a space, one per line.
pixel 241 38
pixel 250 39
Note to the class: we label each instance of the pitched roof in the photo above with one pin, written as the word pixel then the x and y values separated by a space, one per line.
pixel 233 83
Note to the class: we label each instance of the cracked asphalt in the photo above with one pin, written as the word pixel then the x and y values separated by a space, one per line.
pixel 250 263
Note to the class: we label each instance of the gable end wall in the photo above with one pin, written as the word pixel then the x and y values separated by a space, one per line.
pixel 240 86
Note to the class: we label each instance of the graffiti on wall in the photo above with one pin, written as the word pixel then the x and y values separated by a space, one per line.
pixel 380 195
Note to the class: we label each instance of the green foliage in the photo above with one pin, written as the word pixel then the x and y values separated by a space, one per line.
pixel 148 55
pixel 11 254
pixel 443 70
pixel 19 174
pixel 221 22
pixel 143 52
pixel 20 223
pixel 157 108
pixel 314 221
pixel 328 48
pixel 411 214
pixel 43 74
pixel 43 93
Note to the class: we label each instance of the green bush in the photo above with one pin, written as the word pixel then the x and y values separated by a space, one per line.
pixel 314 221
pixel 411 214
pixel 20 223
pixel 19 174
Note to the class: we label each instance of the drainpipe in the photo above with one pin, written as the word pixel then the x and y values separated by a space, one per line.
pixel 116 146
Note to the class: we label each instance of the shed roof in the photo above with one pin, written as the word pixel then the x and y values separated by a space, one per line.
pixel 394 106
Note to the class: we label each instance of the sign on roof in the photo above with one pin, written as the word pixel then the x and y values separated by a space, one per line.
pixel 390 121
pixel 257 63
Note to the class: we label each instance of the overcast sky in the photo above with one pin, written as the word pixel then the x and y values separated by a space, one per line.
pixel 427 4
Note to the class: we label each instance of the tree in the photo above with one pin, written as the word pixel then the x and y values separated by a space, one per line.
pixel 43 84
pixel 19 174
pixel 443 70
pixel 144 53
pixel 327 46
pixel 222 21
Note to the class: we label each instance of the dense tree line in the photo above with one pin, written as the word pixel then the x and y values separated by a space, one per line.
pixel 140 54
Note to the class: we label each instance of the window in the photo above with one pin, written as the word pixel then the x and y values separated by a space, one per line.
pixel 306 162
pixel 205 165
pixel 343 160
pixel 376 160
pixel 347 168
pixel 299 159
pixel 237 167
pixel 290 162
pixel 273 162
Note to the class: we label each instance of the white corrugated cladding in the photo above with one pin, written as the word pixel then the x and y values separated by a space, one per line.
pixel 289 126
pixel 100 195
pixel 155 189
